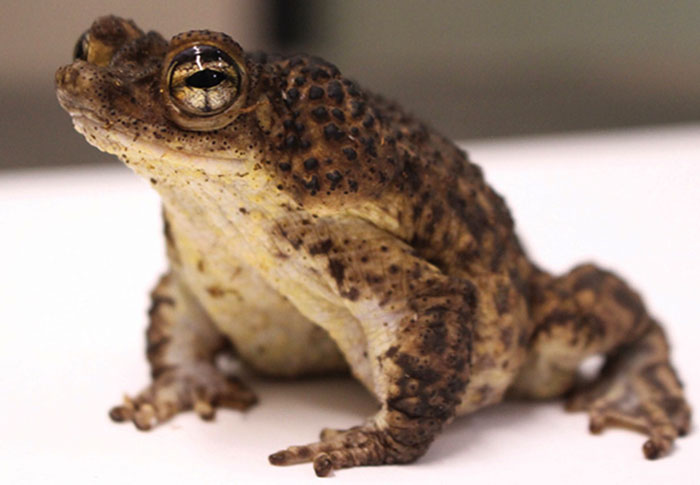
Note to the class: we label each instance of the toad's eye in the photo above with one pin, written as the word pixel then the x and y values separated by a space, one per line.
pixel 203 80
pixel 80 51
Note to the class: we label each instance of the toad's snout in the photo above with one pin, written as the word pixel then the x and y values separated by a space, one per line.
pixel 68 85
pixel 68 79
pixel 78 86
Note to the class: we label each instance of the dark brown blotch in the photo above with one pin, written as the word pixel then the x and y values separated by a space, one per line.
pixel 313 184
pixel 335 91
pixel 350 153
pixel 331 132
pixel 338 114
pixel 322 247
pixel 215 291
pixel 337 271
pixel 357 108
pixel 320 114
pixel 293 95
pixel 292 141
pixel 311 163
pixel 353 294
pixel 316 92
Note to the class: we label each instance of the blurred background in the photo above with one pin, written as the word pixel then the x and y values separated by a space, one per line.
pixel 471 68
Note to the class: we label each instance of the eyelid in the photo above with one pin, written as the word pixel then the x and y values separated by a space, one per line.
pixel 202 53
pixel 218 61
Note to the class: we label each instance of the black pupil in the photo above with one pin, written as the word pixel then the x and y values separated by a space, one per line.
pixel 206 78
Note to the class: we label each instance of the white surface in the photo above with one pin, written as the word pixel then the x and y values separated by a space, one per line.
pixel 79 250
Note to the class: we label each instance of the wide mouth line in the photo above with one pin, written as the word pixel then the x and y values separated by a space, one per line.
pixel 74 109
pixel 127 139
pixel 77 113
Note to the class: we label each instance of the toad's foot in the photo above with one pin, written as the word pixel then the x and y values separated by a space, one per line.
pixel 638 391
pixel 358 446
pixel 200 386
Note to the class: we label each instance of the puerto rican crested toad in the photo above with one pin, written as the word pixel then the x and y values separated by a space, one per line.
pixel 313 227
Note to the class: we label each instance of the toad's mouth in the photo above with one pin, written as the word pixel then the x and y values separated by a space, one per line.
pixel 130 145
pixel 104 135
pixel 145 156
pixel 107 137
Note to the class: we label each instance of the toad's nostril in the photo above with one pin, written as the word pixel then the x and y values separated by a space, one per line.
pixel 65 76
pixel 60 76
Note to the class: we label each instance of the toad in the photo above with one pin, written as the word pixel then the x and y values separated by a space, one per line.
pixel 312 227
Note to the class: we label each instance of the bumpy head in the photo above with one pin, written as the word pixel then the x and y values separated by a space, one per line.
pixel 126 86
pixel 294 121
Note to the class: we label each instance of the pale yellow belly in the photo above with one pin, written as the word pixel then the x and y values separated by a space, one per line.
pixel 268 332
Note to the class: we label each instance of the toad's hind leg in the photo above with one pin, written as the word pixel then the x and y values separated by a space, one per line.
pixel 182 344
pixel 590 311
pixel 417 326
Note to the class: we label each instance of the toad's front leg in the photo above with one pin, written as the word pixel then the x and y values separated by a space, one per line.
pixel 182 346
pixel 418 325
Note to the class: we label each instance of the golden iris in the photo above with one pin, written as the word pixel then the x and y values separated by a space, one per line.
pixel 204 80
